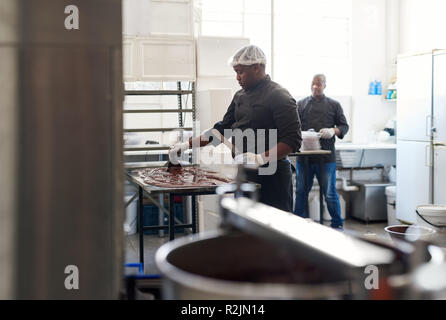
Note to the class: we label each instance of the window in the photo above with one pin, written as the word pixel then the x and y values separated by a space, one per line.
pixel 238 18
pixel 310 36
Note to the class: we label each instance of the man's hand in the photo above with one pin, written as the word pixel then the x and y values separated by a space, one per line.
pixel 176 151
pixel 251 159
pixel 327 133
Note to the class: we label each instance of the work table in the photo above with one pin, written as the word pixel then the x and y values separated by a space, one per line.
pixel 373 146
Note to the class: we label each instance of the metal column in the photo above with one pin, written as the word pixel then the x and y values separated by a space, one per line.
pixel 194 215
pixel 70 206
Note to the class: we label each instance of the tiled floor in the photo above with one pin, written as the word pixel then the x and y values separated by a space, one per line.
pixel 153 242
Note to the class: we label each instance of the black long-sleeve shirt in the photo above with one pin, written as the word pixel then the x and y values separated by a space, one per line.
pixel 323 113
pixel 265 106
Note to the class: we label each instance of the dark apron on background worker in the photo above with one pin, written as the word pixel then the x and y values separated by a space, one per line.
pixel 325 113
pixel 318 114
pixel 316 118
pixel 267 106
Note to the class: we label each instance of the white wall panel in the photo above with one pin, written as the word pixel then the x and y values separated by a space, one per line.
pixel 213 54
pixel 171 17
pixel 158 18
pixel 162 59
pixel 130 59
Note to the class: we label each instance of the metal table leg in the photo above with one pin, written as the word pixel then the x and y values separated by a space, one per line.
pixel 194 215
pixel 321 193
pixel 307 192
pixel 160 211
pixel 161 214
pixel 171 217
pixel 141 225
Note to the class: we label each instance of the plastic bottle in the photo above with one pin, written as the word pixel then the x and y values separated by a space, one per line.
pixel 372 88
pixel 393 95
pixel 379 88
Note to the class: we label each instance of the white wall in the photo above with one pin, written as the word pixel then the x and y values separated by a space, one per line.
pixel 214 74
pixel 370 61
pixel 422 25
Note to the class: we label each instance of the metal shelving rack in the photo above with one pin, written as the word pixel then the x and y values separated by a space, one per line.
pixel 180 110
pixel 179 93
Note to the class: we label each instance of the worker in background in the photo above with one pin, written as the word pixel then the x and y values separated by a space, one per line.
pixel 325 116
pixel 260 104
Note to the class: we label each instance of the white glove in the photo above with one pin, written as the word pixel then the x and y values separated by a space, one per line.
pixel 176 151
pixel 251 159
pixel 327 133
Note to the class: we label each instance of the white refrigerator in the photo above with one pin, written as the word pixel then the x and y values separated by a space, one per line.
pixel 421 132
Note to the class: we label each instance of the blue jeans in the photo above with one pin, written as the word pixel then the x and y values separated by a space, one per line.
pixel 328 185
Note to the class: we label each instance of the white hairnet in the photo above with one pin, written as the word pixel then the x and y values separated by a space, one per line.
pixel 247 56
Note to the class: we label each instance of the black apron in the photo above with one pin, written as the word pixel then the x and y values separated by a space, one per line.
pixel 317 119
pixel 277 189
pixel 316 116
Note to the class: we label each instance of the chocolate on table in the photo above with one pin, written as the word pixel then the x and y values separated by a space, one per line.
pixel 181 177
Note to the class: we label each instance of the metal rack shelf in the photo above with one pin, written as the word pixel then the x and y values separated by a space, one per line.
pixel 158 129
pixel 158 147
pixel 179 93
pixel 158 92
pixel 146 148
pixel 156 110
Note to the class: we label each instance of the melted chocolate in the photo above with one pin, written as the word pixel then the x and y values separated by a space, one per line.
pixel 183 177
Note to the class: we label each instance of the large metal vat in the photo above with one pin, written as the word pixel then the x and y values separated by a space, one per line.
pixel 242 266
pixel 265 253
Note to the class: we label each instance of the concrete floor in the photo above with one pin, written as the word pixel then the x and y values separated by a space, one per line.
pixel 153 242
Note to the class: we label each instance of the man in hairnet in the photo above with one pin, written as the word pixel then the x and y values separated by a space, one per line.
pixel 325 116
pixel 266 112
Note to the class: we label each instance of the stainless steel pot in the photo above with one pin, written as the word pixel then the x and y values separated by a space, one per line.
pixel 241 266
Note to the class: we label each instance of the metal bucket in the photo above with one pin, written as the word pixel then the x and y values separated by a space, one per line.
pixel 410 233
pixel 241 266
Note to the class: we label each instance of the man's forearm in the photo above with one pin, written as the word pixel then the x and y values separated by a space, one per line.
pixel 337 132
pixel 198 142
pixel 281 150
